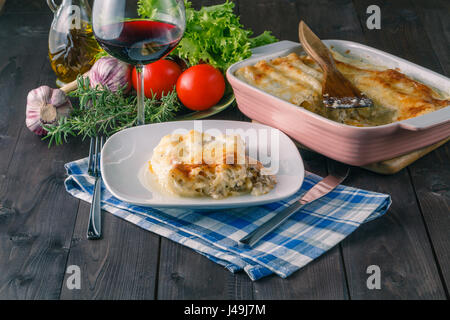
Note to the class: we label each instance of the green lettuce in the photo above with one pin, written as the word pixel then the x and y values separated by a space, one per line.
pixel 213 35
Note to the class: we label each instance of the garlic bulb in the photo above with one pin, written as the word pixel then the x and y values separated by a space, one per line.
pixel 46 106
pixel 111 73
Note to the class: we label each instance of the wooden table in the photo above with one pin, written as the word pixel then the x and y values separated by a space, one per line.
pixel 43 228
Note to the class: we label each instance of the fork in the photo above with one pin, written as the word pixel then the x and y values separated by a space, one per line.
pixel 94 230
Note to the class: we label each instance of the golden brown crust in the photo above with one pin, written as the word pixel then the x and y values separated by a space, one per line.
pixel 298 79
pixel 214 173
pixel 410 97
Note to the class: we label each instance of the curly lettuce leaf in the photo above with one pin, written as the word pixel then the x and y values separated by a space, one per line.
pixel 213 35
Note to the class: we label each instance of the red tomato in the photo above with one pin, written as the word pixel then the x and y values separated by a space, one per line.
pixel 200 87
pixel 160 76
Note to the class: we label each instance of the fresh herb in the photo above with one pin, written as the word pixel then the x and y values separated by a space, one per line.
pixel 104 112
pixel 213 34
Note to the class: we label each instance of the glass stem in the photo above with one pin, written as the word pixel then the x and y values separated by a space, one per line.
pixel 140 95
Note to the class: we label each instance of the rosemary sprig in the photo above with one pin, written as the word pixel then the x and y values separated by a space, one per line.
pixel 103 112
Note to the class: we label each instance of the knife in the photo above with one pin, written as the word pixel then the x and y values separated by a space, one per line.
pixel 338 173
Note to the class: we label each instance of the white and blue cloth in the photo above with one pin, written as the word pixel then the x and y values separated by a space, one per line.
pixel 305 236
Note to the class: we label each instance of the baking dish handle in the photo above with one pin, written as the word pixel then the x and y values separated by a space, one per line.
pixel 274 47
pixel 427 121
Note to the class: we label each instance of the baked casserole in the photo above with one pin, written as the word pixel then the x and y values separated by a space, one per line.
pixel 297 79
pixel 198 164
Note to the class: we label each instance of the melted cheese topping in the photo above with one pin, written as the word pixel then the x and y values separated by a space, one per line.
pixel 298 79
pixel 198 164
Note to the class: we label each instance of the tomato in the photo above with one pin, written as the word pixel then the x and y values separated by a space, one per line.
pixel 200 87
pixel 160 76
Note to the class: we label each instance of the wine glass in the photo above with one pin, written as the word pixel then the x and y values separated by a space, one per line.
pixel 139 33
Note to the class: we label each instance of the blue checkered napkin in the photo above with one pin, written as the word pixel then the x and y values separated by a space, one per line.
pixel 305 236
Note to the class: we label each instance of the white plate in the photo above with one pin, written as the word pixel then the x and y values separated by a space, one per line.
pixel 126 154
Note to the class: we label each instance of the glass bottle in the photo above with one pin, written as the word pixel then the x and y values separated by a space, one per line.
pixel 71 43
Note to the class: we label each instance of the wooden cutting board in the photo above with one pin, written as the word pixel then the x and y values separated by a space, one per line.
pixel 394 165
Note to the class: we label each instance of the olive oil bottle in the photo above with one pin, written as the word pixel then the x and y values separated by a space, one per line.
pixel 71 43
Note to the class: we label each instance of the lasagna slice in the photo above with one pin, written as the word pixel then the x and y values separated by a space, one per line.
pixel 298 79
pixel 198 164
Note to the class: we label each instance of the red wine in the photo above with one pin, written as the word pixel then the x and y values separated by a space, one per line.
pixel 139 41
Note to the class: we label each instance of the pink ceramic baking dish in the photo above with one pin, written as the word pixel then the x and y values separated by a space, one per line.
pixel 352 145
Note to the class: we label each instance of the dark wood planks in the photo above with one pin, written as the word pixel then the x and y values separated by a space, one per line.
pixel 325 277
pixel 26 6
pixel 436 23
pixel 122 265
pixel 329 19
pixel 185 274
pixel 37 215
pixel 431 174
pixel 322 279
pixel 18 75
pixel 37 226
pixel 397 242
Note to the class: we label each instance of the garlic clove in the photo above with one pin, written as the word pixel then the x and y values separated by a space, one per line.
pixel 110 73
pixel 58 98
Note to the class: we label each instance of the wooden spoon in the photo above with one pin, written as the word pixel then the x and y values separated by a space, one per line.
pixel 337 91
